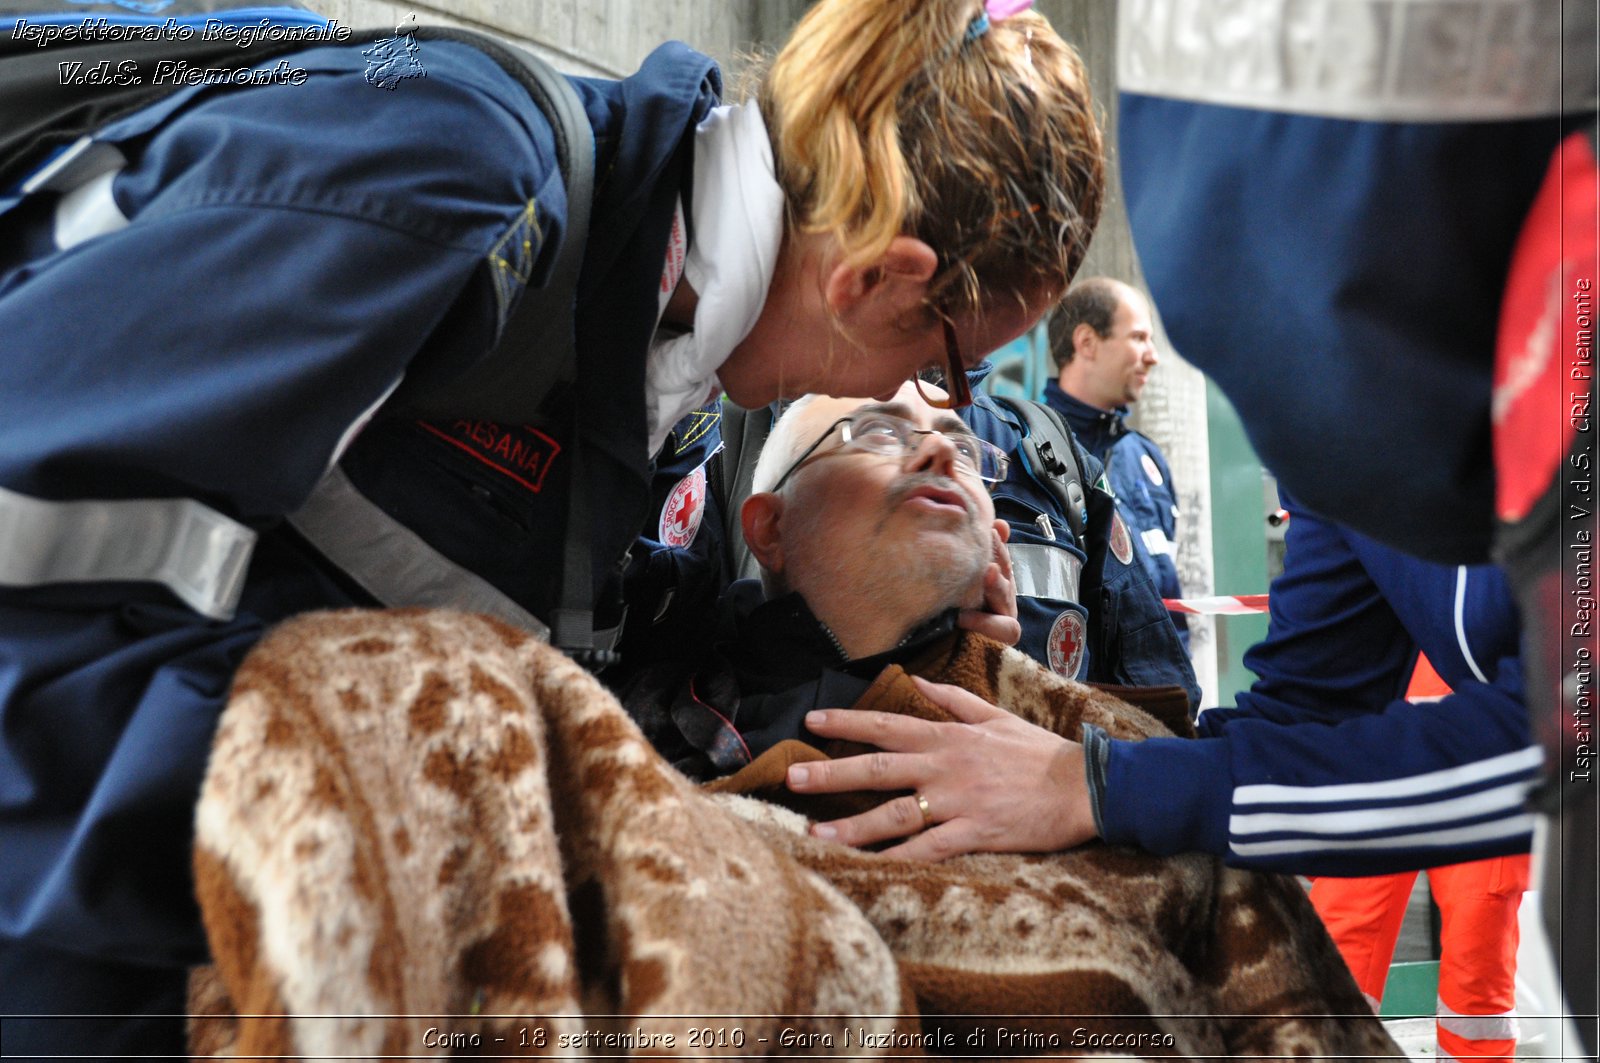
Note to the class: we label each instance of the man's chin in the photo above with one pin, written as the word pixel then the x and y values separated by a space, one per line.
pixel 940 562
pixel 952 541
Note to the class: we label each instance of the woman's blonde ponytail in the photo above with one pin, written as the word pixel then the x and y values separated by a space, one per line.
pixel 887 119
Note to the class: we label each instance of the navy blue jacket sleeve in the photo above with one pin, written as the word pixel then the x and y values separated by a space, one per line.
pixel 1323 767
pixel 284 260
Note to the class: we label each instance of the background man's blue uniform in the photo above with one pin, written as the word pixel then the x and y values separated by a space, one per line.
pixel 1140 479
pixel 1131 639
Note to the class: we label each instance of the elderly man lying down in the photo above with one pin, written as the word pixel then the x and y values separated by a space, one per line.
pixel 425 831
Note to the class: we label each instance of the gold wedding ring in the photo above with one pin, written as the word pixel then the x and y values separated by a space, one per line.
pixel 927 813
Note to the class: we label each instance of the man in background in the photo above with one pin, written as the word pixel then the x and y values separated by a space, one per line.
pixel 1104 349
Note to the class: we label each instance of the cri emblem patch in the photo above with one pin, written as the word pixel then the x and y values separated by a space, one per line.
pixel 1066 644
pixel 680 517
pixel 1121 545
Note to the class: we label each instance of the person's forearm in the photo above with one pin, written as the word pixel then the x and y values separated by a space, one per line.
pixel 1163 795
pixel 1417 786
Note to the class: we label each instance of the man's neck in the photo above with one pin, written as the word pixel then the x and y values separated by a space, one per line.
pixel 1073 386
pixel 854 643
pixel 860 630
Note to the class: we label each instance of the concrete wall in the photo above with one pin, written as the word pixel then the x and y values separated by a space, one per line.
pixel 603 37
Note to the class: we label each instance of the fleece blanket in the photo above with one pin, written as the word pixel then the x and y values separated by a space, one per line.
pixel 426 833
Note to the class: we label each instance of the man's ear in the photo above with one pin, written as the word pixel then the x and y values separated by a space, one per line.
pixel 895 283
pixel 758 518
pixel 1085 340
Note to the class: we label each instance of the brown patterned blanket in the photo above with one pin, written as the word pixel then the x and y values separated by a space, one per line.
pixel 426 833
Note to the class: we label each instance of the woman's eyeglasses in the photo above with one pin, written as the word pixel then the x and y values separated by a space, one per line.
pixel 958 391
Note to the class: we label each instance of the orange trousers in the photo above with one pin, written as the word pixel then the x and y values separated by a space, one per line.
pixel 1478 934
pixel 1478 901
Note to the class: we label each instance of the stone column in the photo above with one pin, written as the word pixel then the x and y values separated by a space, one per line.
pixel 1172 410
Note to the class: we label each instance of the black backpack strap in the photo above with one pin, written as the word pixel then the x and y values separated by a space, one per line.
pixel 536 359
pixel 534 366
pixel 1050 454
pixel 744 432
pixel 726 482
pixel 536 352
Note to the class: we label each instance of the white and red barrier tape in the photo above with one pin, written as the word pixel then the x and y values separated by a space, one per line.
pixel 1221 605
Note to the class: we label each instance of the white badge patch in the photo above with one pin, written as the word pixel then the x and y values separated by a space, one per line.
pixel 1065 647
pixel 1157 543
pixel 680 517
pixel 1151 469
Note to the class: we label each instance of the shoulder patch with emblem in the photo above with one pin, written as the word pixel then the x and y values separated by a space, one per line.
pixel 1065 647
pixel 1151 469
pixel 1121 544
pixel 685 506
pixel 511 260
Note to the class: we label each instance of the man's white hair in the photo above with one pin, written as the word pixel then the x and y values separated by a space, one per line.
pixel 783 445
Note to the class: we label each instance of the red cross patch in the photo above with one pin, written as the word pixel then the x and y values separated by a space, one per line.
pixel 686 505
pixel 1065 646
pixel 677 252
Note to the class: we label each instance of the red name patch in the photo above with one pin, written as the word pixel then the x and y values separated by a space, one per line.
pixel 522 453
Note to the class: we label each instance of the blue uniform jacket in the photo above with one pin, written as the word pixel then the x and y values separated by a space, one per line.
pixel 1131 640
pixel 1322 767
pixel 1141 481
pixel 289 251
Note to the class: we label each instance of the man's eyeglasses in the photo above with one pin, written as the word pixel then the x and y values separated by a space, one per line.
pixel 957 390
pixel 884 433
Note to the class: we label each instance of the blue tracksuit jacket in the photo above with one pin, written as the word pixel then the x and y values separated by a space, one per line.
pixel 1331 253
pixel 1323 767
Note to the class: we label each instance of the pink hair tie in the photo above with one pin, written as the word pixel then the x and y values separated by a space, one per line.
pixel 993 11
pixel 1000 10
